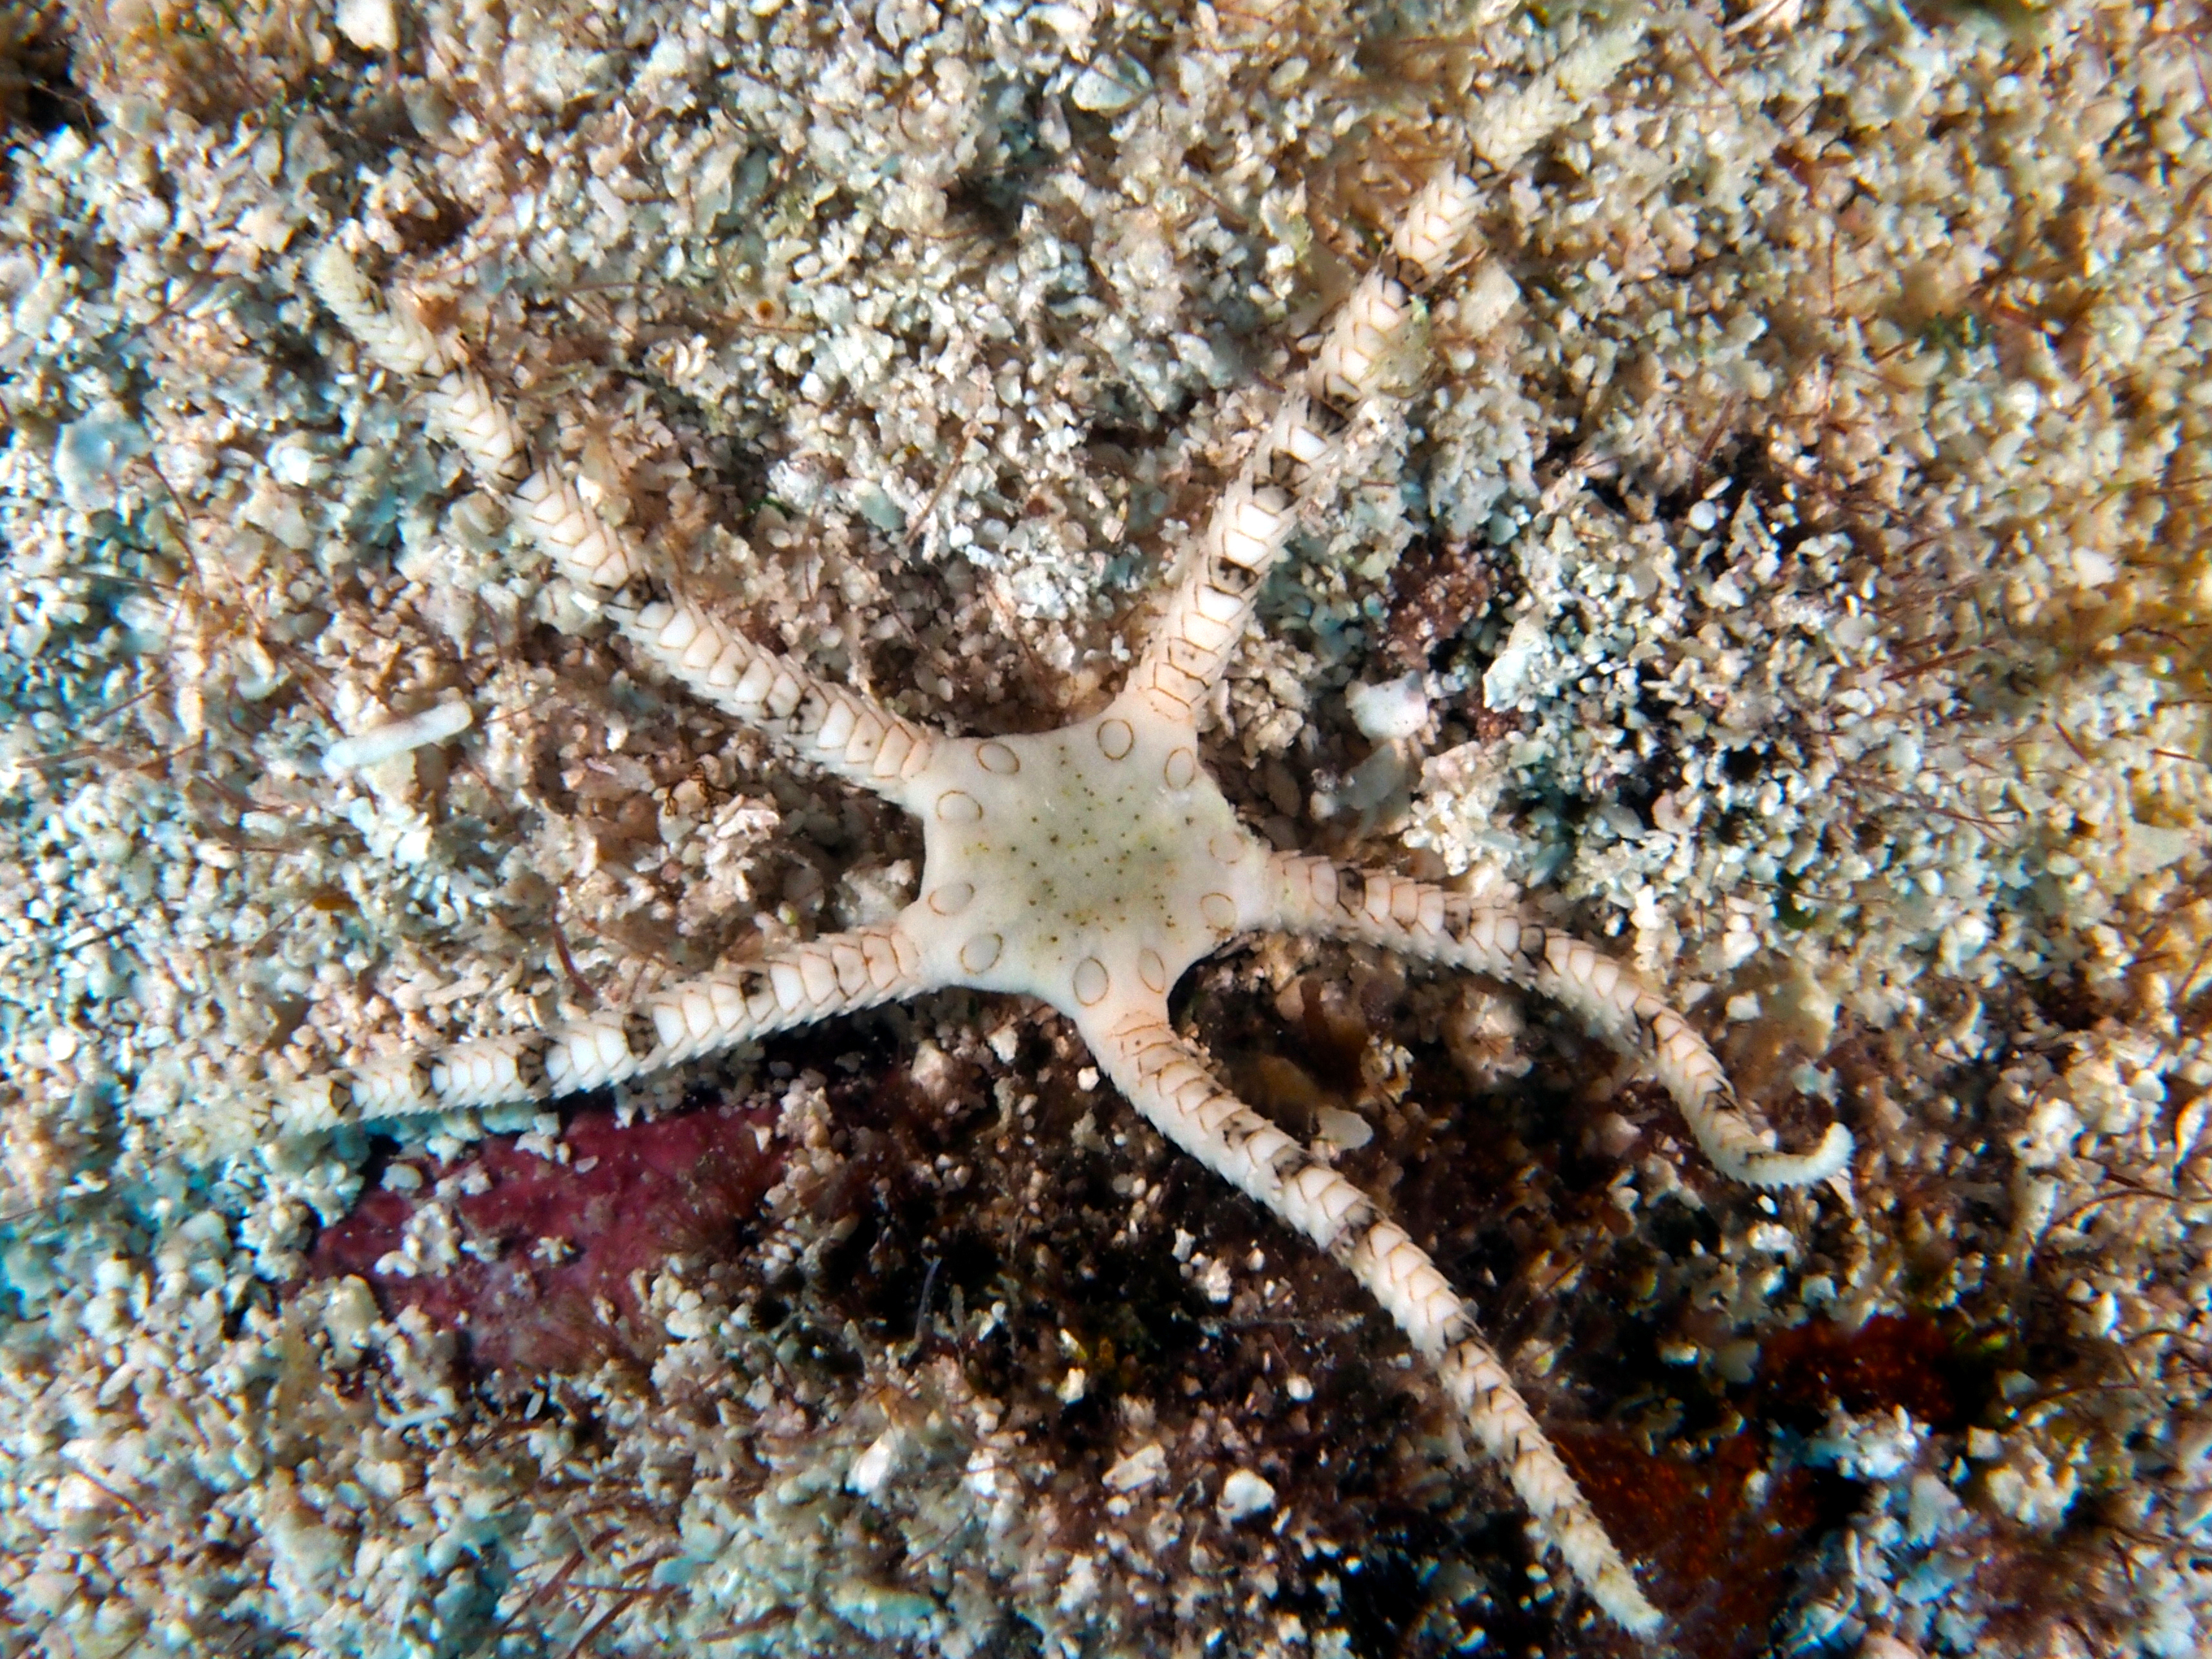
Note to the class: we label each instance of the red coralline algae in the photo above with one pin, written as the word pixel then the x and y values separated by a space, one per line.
pixel 1723 1534
pixel 1893 1359
pixel 1718 1544
pixel 628 1200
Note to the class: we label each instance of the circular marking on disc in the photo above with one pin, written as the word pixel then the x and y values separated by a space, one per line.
pixel 1219 911
pixel 977 955
pixel 951 898
pixel 1152 972
pixel 958 806
pixel 1090 981
pixel 1116 737
pixel 997 757
pixel 1227 847
pixel 1182 768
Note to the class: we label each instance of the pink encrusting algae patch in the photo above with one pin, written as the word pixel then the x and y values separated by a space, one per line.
pixel 556 1257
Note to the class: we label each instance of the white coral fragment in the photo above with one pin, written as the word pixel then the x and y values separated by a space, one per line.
pixel 446 719
pixel 2026 1487
pixel 348 1318
pixel 1138 1469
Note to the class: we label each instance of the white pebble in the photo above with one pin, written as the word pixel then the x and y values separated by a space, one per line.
pixel 1110 88
pixel 1394 709
pixel 1243 1494
pixel 371 25
pixel 89 454
pixel 875 1466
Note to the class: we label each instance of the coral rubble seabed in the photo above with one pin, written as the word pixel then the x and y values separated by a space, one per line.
pixel 1791 563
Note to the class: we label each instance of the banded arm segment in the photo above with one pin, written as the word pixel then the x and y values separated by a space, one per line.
pixel 1321 899
pixel 838 729
pixel 792 985
pixel 1167 1082
pixel 1214 598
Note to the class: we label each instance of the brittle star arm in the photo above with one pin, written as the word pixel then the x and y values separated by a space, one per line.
pixel 1167 1082
pixel 1325 900
pixel 1213 599
pixel 837 728
pixel 791 985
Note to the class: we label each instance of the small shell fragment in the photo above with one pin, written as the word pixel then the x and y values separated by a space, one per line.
pixel 1345 1130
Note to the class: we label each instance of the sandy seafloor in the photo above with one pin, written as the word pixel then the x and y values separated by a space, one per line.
pixel 1797 515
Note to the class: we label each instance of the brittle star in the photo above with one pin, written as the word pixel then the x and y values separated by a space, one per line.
pixel 1089 867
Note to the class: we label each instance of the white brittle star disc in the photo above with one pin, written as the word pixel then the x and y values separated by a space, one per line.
pixel 1102 858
